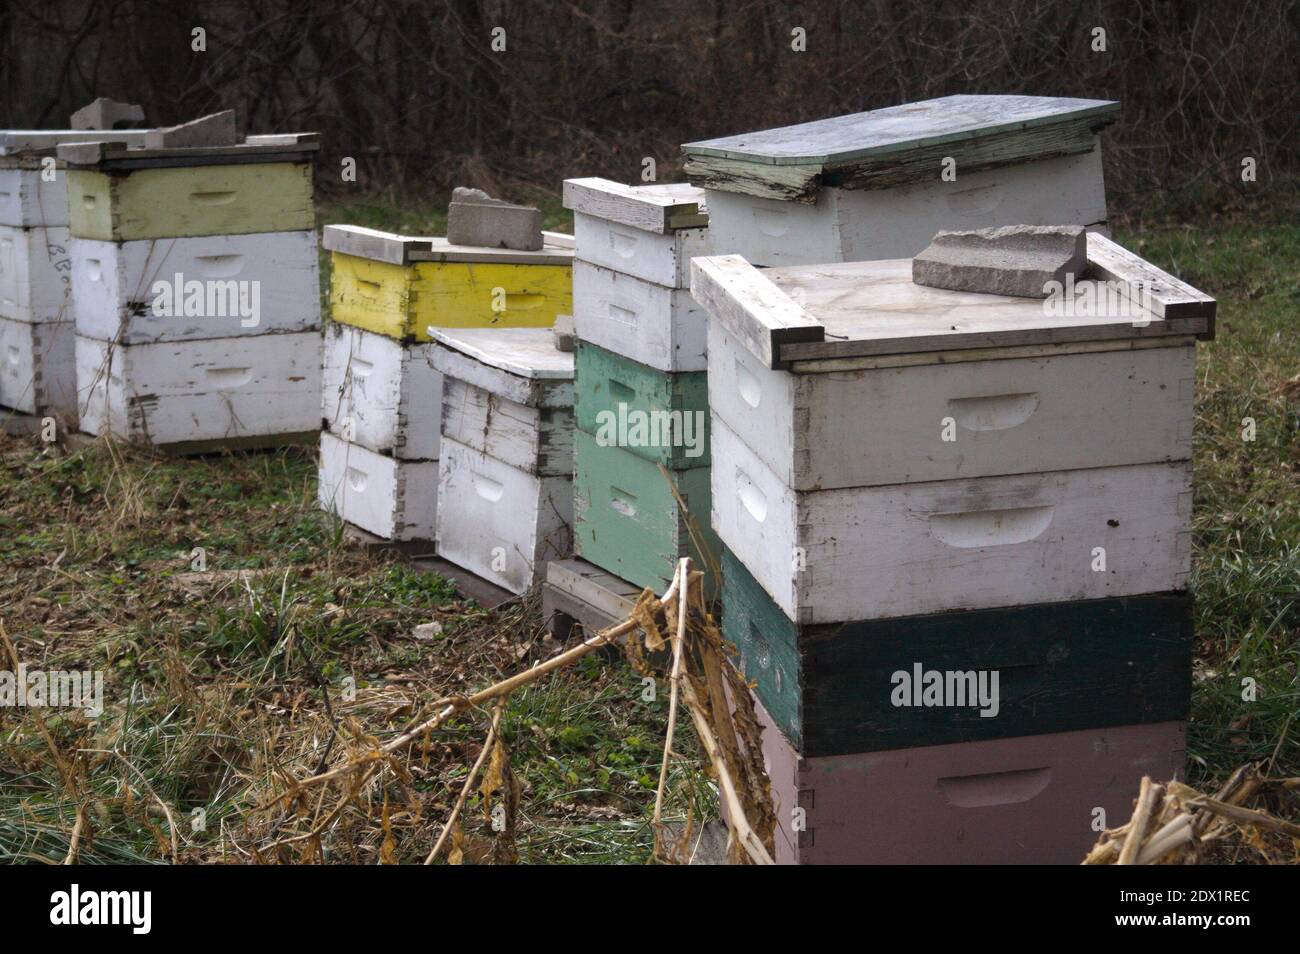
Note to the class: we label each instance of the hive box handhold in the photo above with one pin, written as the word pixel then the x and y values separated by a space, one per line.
pixel 215 129
pixel 1014 260
pixel 105 113
pixel 475 218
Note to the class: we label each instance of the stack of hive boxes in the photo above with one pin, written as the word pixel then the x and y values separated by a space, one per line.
pixel 505 475
pixel 37 358
pixel 640 390
pixel 957 543
pixel 194 283
pixel 879 184
pixel 381 397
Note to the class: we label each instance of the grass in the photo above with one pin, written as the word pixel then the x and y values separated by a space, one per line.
pixel 217 679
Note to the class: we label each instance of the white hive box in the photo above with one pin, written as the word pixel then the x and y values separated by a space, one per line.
pixel 505 496
pixel 35 270
pixel 33 183
pixel 391 498
pixel 652 324
pixel 834 482
pixel 229 285
pixel 38 372
pixel 649 232
pixel 251 391
pixel 380 393
pixel 871 185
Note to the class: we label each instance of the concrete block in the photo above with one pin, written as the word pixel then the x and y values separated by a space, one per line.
pixel 1013 260
pixel 563 329
pixel 475 218
pixel 215 129
pixel 105 113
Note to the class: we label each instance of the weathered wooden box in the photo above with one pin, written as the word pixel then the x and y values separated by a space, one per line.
pixel 879 184
pixel 401 286
pixel 31 196
pixel 652 324
pixel 38 370
pixel 184 201
pixel 627 519
pixel 498 521
pixel 1028 800
pixel 649 232
pixel 861 553
pixel 508 393
pixel 392 498
pixel 505 493
pixel 381 393
pixel 658 415
pixel 35 273
pixel 1025 670
pixel 215 286
pixel 262 390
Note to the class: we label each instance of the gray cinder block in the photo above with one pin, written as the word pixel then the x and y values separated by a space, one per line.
pixel 475 218
pixel 215 129
pixel 1014 260
pixel 105 113
pixel 564 335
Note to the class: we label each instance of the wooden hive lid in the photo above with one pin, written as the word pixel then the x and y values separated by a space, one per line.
pixel 100 149
pixel 660 209
pixel 397 249
pixel 883 148
pixel 29 143
pixel 812 313
pixel 521 364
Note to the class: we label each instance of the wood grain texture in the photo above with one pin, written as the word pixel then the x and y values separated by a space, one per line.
pixel 38 371
pixel 751 307
pixel 533 392
pixel 113 286
pixel 652 324
pixel 404 302
pixel 535 440
pixel 1061 667
pixel 863 428
pixel 391 498
pixel 912 549
pixel 523 352
pixel 626 519
pixel 383 392
pixel 659 209
pixel 1166 296
pixel 846 225
pixel 612 385
pixel 874 308
pixel 210 390
pixel 35 274
pixel 181 202
pixel 1026 800
pixel 500 522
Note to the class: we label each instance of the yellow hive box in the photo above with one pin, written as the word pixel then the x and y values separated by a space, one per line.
pixel 400 286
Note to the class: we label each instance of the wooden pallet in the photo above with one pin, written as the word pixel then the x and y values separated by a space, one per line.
pixel 576 591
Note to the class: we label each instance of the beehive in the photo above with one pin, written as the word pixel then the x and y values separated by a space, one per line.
pixel 505 490
pixel 194 282
pixel 879 184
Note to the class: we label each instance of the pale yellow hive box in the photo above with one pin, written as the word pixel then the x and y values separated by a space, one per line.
pixel 117 193
pixel 401 286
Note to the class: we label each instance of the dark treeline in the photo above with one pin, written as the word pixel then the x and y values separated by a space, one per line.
pixel 415 92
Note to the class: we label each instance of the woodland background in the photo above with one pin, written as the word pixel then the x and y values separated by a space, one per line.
pixel 414 92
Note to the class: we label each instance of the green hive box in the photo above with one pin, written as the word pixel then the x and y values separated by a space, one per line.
pixel 1061 667
pixel 626 519
pixel 620 398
